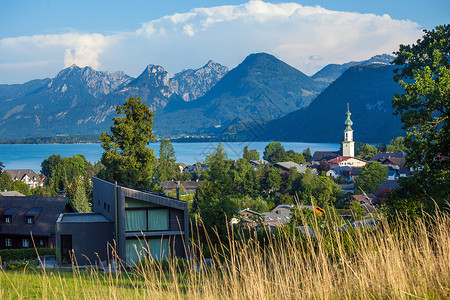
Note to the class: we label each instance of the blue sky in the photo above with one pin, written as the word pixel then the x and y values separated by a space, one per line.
pixel 39 38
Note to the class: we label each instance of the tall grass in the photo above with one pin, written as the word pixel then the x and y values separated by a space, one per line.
pixel 408 260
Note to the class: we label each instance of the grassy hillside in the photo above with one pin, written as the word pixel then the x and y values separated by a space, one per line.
pixel 406 261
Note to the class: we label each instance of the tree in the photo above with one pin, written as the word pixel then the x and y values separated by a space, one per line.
pixel 323 166
pixel 75 167
pixel 270 180
pixel 251 154
pixel 58 180
pixel 215 211
pixel 21 187
pixel 307 154
pixel 80 201
pixel 367 152
pixel 126 157
pixel 397 145
pixel 382 148
pixel 274 152
pixel 166 168
pixel 49 164
pixel 316 190
pixel 244 179
pixel 370 177
pixel 294 156
pixel 357 211
pixel 1 167
pixel 6 182
pixel 424 73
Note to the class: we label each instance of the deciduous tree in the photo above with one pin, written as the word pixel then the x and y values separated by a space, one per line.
pixel 250 154
pixel 397 145
pixel 424 73
pixel 274 152
pixel 126 158
pixel 367 151
pixel 370 177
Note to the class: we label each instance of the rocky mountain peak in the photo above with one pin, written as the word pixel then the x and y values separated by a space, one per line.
pixel 96 82
pixel 191 84
pixel 152 76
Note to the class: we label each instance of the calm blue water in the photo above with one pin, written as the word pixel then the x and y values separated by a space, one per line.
pixel 31 156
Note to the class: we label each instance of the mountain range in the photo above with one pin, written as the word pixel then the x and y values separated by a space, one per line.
pixel 368 89
pixel 211 100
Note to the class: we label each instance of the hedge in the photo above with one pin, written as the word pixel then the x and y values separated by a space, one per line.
pixel 24 254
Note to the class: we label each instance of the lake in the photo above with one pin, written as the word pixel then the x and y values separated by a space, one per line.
pixel 30 156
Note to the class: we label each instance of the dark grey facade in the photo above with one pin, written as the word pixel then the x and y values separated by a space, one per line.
pixel 89 235
pixel 136 222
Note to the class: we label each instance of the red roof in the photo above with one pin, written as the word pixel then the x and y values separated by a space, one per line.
pixel 339 159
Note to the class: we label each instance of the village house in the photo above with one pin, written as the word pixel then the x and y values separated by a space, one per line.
pixel 286 166
pixel 196 168
pixel 184 187
pixel 128 220
pixel 397 165
pixel 380 157
pixel 344 172
pixel 181 167
pixel 31 178
pixel 278 217
pixel 349 161
pixel 387 185
pixel 30 217
pixel 324 155
pixel 257 163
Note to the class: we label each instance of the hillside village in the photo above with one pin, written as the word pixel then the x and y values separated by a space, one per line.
pixel 60 222
pixel 249 149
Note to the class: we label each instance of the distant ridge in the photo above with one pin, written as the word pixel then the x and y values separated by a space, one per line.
pixel 368 89
pixel 261 87
pixel 331 72
pixel 210 101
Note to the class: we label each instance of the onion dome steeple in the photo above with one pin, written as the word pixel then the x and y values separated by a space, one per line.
pixel 348 123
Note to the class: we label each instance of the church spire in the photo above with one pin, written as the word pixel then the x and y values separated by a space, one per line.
pixel 348 146
pixel 348 122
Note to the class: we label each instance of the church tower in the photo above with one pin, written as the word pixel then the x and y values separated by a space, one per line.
pixel 348 145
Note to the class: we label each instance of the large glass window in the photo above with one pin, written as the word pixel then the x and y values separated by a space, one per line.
pixel 158 219
pixel 147 219
pixel 135 251
pixel 136 220
pixel 138 249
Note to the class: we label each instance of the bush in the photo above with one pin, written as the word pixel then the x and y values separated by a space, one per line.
pixel 24 254
pixel 16 266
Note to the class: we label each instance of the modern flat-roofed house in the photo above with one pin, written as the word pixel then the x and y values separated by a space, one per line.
pixel 134 222
pixel 29 216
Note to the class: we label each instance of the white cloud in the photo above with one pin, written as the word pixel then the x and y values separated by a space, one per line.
pixel 306 37
pixel 80 49
pixel 188 30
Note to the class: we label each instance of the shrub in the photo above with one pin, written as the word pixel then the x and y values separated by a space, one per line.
pixel 24 254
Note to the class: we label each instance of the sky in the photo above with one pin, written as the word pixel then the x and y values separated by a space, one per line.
pixel 40 38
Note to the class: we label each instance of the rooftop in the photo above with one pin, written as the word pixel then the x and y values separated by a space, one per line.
pixel 82 218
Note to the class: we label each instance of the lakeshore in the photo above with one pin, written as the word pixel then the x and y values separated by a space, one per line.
pixel 30 156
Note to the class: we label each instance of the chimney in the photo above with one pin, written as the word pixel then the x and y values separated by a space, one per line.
pixel 62 194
